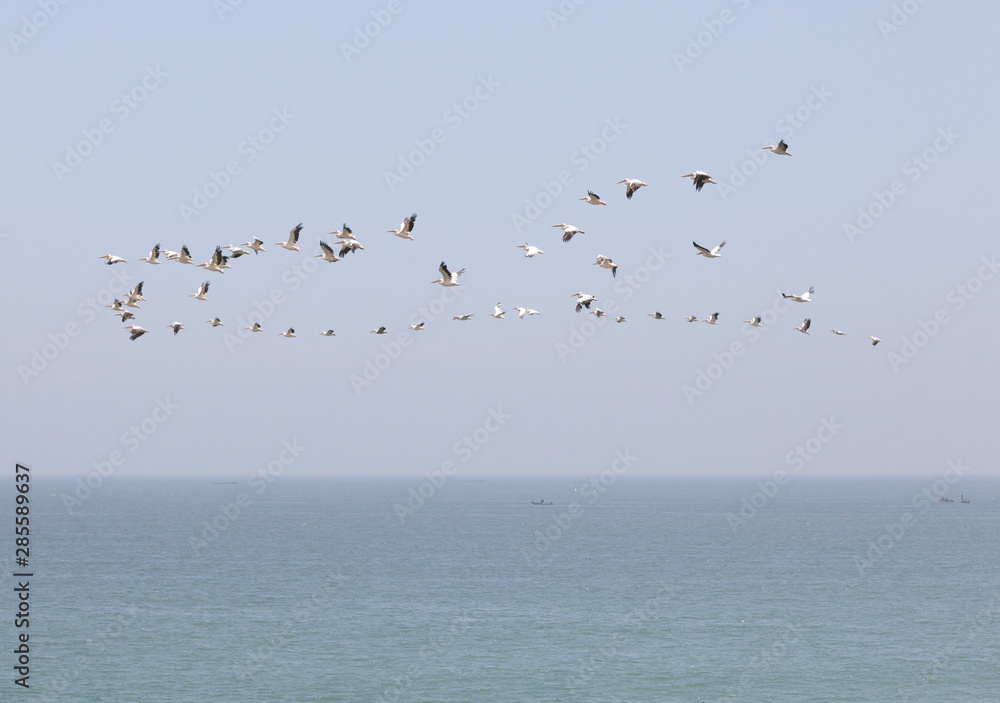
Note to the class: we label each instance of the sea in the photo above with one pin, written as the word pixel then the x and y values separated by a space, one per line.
pixel 443 588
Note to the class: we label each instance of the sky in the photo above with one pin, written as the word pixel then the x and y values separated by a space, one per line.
pixel 210 123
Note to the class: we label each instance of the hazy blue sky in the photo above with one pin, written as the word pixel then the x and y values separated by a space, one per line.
pixel 122 119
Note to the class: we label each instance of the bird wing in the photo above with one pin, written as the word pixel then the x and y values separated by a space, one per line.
pixel 700 248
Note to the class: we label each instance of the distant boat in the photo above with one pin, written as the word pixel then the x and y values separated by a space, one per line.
pixel 947 500
pixel 542 502
pixel 965 500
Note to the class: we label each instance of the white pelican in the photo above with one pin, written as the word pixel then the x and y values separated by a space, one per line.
pixel 448 279
pixel 216 322
pixel 598 312
pixel 116 306
pixel 125 315
pixel 135 331
pixel 419 327
pixel 631 186
pixel 713 253
pixel 257 245
pixel 153 257
pixel 699 178
pixel 217 262
pixel 838 332
pixel 168 254
pixel 521 312
pixel 804 327
pixel 135 295
pixel 804 298
pixel 293 239
pixel 202 292
pixel 176 327
pixel 583 300
pixel 237 251
pixel 569 231
pixel 782 148
pixel 329 333
pixel 754 322
pixel 380 330
pixel 256 327
pixel 112 259
pixel 327 254
pixel 349 246
pixel 344 233
pixel 692 318
pixel 289 333
pixel 593 198
pixel 875 340
pixel 405 228
pixel 606 263
pixel 620 319
pixel 184 257
pixel 713 319
pixel 462 317
pixel 529 251
pixel 656 315
pixel 497 312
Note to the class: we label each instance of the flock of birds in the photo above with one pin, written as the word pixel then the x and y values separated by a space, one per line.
pixel 348 244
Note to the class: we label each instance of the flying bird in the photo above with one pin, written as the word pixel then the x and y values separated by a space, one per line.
pixel 497 312
pixel 256 327
pixel 583 300
pixel 713 319
pixel 293 239
pixel 289 333
pixel 699 178
pixel 568 231
pixel 217 262
pixel 216 322
pixel 176 327
pixel 153 257
pixel 380 330
pixel 656 315
pixel 135 332
pixel 135 295
pixel 202 292
pixel 631 186
pixel 257 245
pixel 782 148
pixel 419 327
pixel 713 253
pixel 804 327
pixel 838 332
pixel 184 257
pixel 804 298
pixel 448 279
pixel 692 318
pixel 349 246
pixel 606 263
pixel 598 312
pixel 329 333
pixel 237 251
pixel 529 251
pixel 344 233
pixel 593 198
pixel 112 259
pixel 875 340
pixel 462 317
pixel 521 312
pixel 327 254
pixel 125 315
pixel 620 319
pixel 405 228
pixel 754 322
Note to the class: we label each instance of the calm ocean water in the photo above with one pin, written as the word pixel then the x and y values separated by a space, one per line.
pixel 649 590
